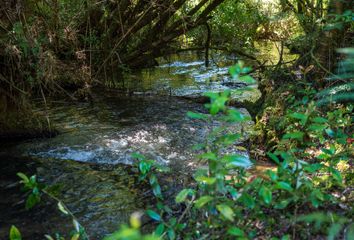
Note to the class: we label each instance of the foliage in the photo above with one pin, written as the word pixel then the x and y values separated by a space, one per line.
pixel 35 190
pixel 227 200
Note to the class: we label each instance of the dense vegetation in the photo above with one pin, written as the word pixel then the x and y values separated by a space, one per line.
pixel 303 121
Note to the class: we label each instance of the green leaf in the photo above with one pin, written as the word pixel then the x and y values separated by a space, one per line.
pixel 273 157
pixel 202 201
pixel 156 189
pixel 144 167
pixel 336 175
pixel 226 211
pixel 153 180
pixel 48 237
pixel 208 156
pixel 138 156
pixel 182 195
pixel 334 230
pixel 205 180
pixel 294 135
pixel 273 175
pixel 194 115
pixel 160 229
pixel 283 204
pixel 235 231
pixel 236 116
pixel 313 167
pixel 317 127
pixel 319 120
pixel 15 233
pixel 247 200
pixel 62 208
pixel 284 186
pixel 237 161
pixel 247 79
pixel 32 200
pixel 154 215
pixel 266 194
pixel 211 95
pixel 171 234
pixel 350 232
pixel 23 177
pixel 300 116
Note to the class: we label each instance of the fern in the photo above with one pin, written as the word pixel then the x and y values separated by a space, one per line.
pixel 343 88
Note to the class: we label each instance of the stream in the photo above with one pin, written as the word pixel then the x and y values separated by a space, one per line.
pixel 87 165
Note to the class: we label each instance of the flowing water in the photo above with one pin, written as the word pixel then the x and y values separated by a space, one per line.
pixel 85 165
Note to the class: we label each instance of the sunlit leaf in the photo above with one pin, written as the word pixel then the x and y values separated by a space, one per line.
pixel 62 208
pixel 202 201
pixel 15 233
pixel 226 211
pixel 24 178
pixel 182 195
pixel 284 186
pixel 205 179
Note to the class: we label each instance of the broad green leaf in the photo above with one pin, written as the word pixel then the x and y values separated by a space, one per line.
pixel 202 201
pixel 273 175
pixel 32 200
pixel 160 229
pixel 266 194
pixel 317 127
pixel 294 135
pixel 350 232
pixel 336 175
pixel 205 180
pixel 194 115
pixel 211 95
pixel 334 230
pixel 284 186
pixel 15 233
pixel 319 120
pixel 154 215
pixel 237 161
pixel 226 211
pixel 311 168
pixel 273 157
pixel 235 231
pixel 247 200
pixel 171 234
pixel 282 204
pixel 182 195
pixel 208 156
pixel 300 116
pixel 156 189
